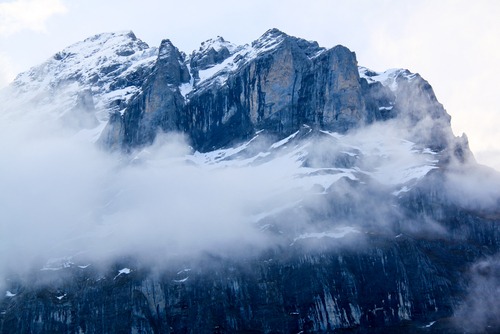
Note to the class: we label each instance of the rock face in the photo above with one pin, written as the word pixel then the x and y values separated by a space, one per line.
pixel 224 93
pixel 384 249
pixel 155 108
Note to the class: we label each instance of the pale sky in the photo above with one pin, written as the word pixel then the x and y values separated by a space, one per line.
pixel 454 44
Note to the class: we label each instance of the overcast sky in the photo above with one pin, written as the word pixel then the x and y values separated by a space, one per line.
pixel 454 44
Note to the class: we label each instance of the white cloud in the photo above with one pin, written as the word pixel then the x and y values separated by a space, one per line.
pixel 63 197
pixel 21 15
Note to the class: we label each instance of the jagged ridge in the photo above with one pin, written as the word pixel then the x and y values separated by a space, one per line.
pixel 223 93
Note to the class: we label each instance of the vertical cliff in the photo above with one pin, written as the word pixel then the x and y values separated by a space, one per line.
pixel 278 83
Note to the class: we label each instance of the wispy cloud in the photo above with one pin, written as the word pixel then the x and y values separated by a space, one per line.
pixel 32 15
pixel 478 313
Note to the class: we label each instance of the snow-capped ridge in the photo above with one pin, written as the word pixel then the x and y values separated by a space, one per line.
pixel 209 60
pixel 388 78
pixel 166 48
pixel 217 43
pixel 269 40
pixel 105 66
pixel 273 38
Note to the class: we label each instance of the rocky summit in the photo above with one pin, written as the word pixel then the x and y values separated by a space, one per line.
pixel 320 196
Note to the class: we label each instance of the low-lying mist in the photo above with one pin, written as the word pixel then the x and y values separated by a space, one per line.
pixel 62 199
pixel 478 312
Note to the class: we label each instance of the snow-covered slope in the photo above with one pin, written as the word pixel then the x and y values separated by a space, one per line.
pixel 313 161
pixel 105 71
pixel 392 161
pixel 387 78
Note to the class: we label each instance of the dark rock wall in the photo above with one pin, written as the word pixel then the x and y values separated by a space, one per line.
pixel 157 107
pixel 292 83
pixel 388 283
pixel 280 91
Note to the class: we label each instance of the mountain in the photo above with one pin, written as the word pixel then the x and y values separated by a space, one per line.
pixel 274 187
pixel 278 83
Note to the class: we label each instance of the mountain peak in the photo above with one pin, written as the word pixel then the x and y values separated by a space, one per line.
pixel 105 36
pixel 269 40
pixel 166 49
pixel 274 32
pixel 274 37
pixel 216 43
pixel 121 44
pixel 211 52
pixel 107 65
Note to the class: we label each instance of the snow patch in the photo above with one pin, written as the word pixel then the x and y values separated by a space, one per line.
pixel 387 78
pixel 335 135
pixel 284 141
pixel 56 264
pixel 180 280
pixel 386 108
pixel 124 271
pixel 428 325
pixel 185 88
pixel 10 294
pixel 403 189
pixel 338 233
pixel 61 297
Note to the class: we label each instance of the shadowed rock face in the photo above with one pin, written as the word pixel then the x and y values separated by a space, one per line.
pixel 156 107
pixel 277 83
